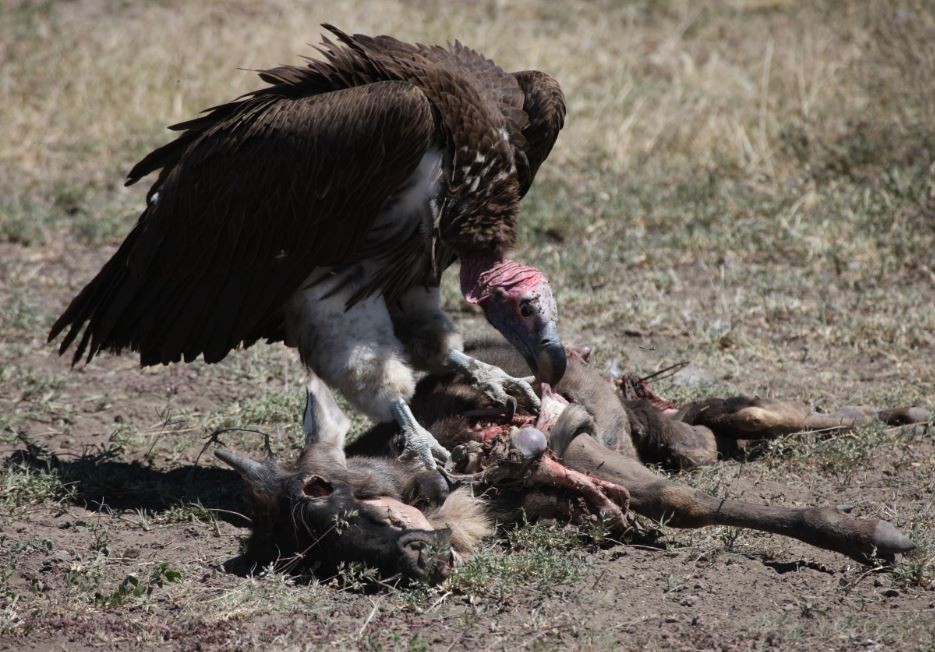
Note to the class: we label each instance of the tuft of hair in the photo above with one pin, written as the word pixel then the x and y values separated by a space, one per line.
pixel 466 516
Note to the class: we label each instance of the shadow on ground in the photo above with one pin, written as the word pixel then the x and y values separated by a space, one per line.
pixel 99 480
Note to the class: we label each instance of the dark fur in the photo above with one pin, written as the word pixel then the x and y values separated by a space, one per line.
pixel 311 518
pixel 287 523
pixel 617 430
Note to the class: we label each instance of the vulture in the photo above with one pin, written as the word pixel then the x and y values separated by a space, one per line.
pixel 322 210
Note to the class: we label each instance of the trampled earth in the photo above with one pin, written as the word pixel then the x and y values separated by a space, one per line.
pixel 736 187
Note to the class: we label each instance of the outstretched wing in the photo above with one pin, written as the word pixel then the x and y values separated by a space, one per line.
pixel 251 198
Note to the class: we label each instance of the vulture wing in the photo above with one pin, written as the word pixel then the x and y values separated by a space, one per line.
pixel 544 104
pixel 251 198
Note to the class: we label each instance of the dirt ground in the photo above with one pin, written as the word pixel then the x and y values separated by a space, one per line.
pixel 737 186
pixel 113 535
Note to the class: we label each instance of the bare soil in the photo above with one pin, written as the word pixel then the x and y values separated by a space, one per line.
pixel 128 512
pixel 747 185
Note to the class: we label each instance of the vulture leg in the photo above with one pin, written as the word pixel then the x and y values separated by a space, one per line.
pixel 419 443
pixel 434 346
pixel 323 422
pixel 424 329
pixel 493 381
pixel 355 350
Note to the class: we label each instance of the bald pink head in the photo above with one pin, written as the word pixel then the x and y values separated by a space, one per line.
pixel 482 277
pixel 517 301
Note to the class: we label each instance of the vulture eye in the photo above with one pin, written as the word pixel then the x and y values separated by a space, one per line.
pixel 526 310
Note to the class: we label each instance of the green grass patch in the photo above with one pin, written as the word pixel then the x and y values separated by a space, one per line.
pixel 23 485
pixel 538 557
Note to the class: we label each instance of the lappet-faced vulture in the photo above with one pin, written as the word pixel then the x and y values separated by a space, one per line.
pixel 322 210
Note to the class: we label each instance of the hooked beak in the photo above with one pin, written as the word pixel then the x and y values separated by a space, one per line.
pixel 546 355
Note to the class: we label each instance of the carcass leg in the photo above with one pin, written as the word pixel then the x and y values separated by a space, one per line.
pixel 606 497
pixel 683 507
pixel 743 417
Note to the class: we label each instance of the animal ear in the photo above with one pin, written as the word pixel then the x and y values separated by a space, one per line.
pixel 583 351
pixel 255 473
pixel 315 486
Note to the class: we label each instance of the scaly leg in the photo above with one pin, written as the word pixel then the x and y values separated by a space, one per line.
pixel 434 346
pixel 493 381
pixel 419 443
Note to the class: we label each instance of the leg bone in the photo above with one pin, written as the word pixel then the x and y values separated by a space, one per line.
pixel 608 498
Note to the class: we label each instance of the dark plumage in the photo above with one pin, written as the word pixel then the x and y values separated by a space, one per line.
pixel 257 194
pixel 322 210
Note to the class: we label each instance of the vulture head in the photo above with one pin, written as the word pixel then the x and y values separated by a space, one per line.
pixel 517 301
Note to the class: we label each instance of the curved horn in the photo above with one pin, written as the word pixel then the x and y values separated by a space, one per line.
pixel 250 469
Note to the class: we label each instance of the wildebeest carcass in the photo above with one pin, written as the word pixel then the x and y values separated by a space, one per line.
pixel 405 520
pixel 326 511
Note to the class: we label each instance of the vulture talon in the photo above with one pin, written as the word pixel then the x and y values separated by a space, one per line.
pixel 498 385
pixel 419 443
pixel 510 409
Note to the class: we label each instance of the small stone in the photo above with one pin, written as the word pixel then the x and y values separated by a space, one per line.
pixel 131 553
pixel 891 593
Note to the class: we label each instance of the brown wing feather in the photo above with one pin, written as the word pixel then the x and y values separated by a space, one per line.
pixel 544 104
pixel 251 199
pixel 475 100
pixel 256 193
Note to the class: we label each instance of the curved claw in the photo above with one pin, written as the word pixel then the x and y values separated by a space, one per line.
pixel 497 384
pixel 524 386
pixel 419 443
pixel 425 449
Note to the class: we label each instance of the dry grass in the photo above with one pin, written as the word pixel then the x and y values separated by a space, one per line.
pixel 671 85
pixel 748 184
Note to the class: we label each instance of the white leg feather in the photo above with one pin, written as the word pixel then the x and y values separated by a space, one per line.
pixel 356 351
pixel 424 328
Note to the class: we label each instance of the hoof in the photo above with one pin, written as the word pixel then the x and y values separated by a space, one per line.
pixel 889 540
pixel 904 416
